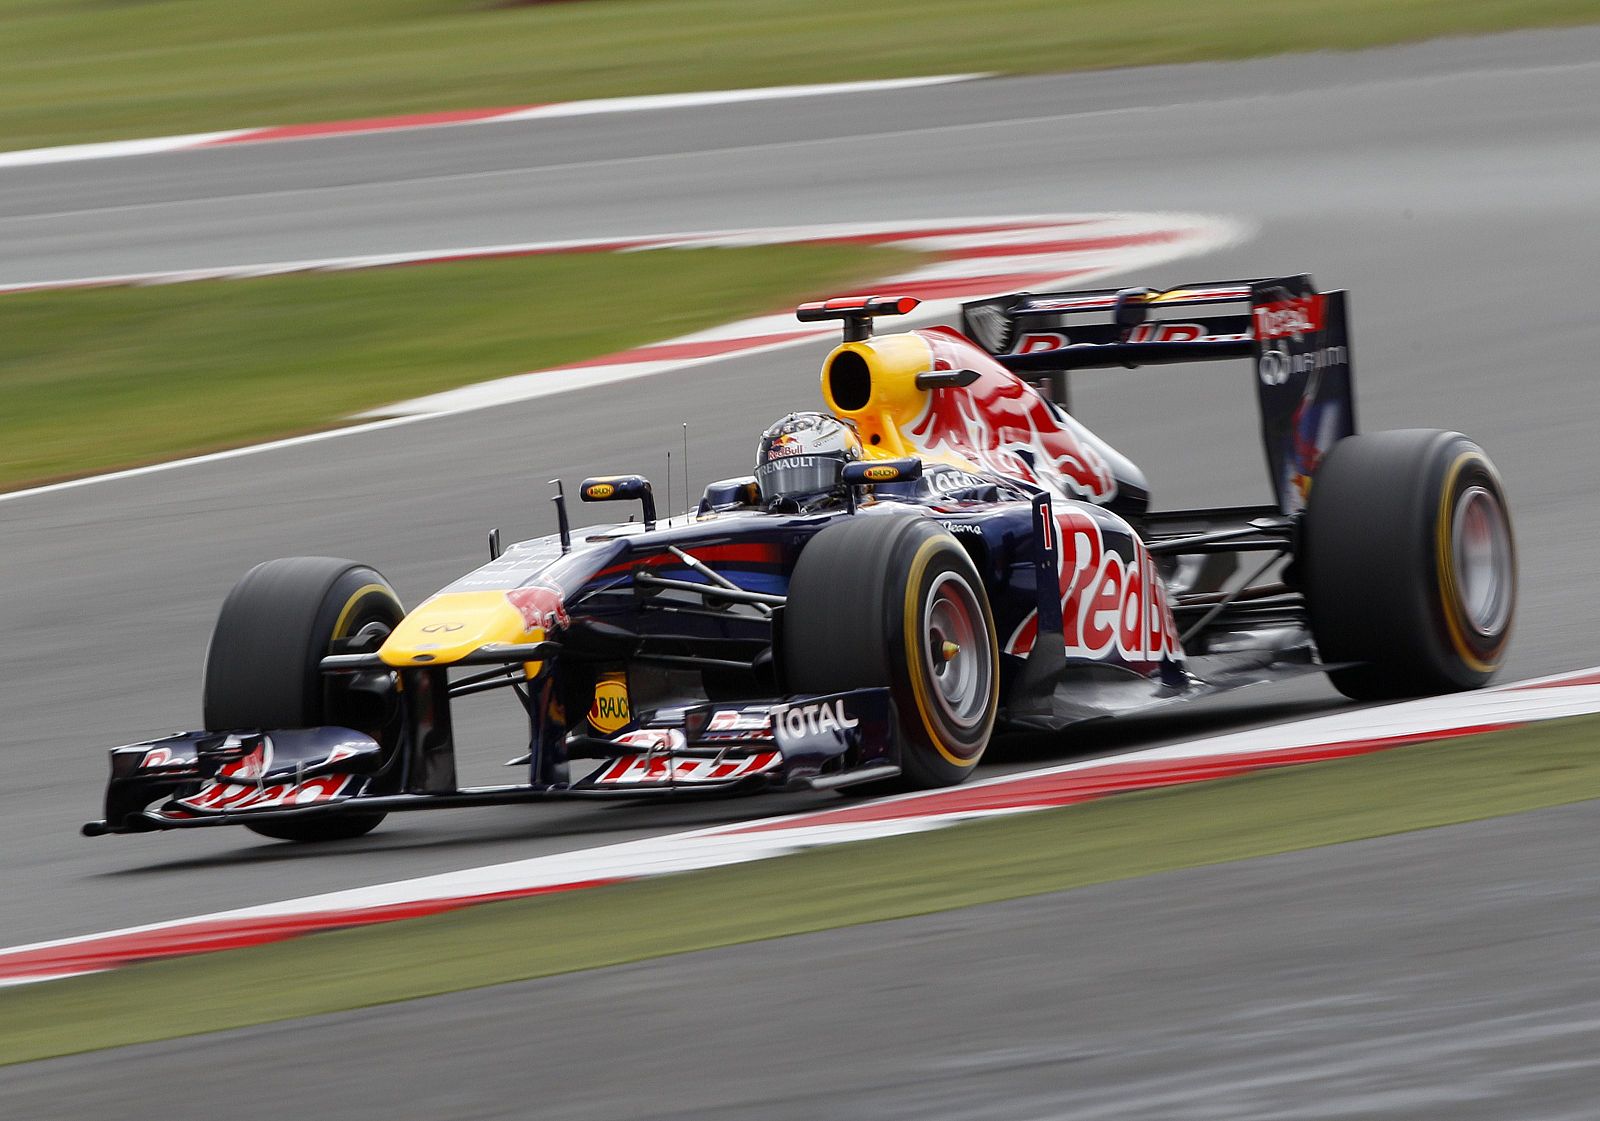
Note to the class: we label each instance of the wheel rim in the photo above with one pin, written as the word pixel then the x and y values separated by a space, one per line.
pixel 1480 541
pixel 955 650
pixel 374 633
pixel 372 628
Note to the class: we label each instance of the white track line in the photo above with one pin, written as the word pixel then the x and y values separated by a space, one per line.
pixel 113 149
pixel 648 102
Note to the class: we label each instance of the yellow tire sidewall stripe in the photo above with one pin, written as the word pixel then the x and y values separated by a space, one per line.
pixel 350 606
pixel 1445 560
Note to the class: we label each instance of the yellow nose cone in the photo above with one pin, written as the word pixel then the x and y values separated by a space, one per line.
pixel 448 627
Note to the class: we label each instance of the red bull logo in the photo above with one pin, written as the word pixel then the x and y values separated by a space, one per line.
pixel 1111 609
pixel 667 769
pixel 1001 424
pixel 782 445
pixel 1289 317
pixel 1035 341
pixel 239 785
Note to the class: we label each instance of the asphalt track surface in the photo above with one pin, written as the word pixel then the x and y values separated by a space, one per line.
pixel 1450 973
pixel 1450 186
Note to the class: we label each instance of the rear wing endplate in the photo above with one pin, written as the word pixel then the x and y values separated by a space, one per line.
pixel 1298 340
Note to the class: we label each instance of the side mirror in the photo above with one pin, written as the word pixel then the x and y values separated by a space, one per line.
pixel 946 379
pixel 621 488
pixel 725 494
pixel 865 471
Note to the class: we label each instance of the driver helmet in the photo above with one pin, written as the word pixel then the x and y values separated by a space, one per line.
pixel 802 456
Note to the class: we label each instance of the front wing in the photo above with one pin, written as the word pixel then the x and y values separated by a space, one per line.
pixel 203 779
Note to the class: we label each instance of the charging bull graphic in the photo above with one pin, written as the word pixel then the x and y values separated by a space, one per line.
pixel 542 607
pixel 1002 424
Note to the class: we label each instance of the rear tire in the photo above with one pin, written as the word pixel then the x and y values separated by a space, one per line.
pixel 262 668
pixel 1409 564
pixel 894 601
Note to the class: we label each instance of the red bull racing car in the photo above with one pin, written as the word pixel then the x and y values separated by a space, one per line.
pixel 944 553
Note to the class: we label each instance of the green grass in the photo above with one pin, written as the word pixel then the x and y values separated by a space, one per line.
pixel 103 378
pixel 1131 835
pixel 77 70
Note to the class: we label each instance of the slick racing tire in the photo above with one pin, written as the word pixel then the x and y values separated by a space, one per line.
pixel 262 666
pixel 894 601
pixel 1409 564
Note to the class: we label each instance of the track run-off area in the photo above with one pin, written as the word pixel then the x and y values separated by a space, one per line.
pixel 1448 186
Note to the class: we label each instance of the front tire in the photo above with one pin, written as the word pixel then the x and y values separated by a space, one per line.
pixel 894 601
pixel 262 668
pixel 1409 564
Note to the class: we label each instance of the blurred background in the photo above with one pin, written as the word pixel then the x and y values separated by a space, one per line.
pixel 1439 161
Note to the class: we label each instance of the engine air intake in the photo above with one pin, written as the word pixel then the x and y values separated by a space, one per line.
pixel 849 381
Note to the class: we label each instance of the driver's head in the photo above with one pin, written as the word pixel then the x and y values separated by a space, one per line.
pixel 801 457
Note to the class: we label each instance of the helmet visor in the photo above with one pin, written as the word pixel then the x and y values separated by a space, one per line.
pixel 798 475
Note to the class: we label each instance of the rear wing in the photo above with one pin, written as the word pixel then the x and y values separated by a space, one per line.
pixel 1298 340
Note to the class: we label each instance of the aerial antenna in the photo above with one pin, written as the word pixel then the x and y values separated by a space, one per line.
pixel 560 499
pixel 687 493
pixel 669 484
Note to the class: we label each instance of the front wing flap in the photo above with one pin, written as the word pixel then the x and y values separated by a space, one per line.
pixel 820 740
pixel 195 776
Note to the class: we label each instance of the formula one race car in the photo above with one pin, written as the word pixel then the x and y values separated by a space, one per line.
pixel 943 553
